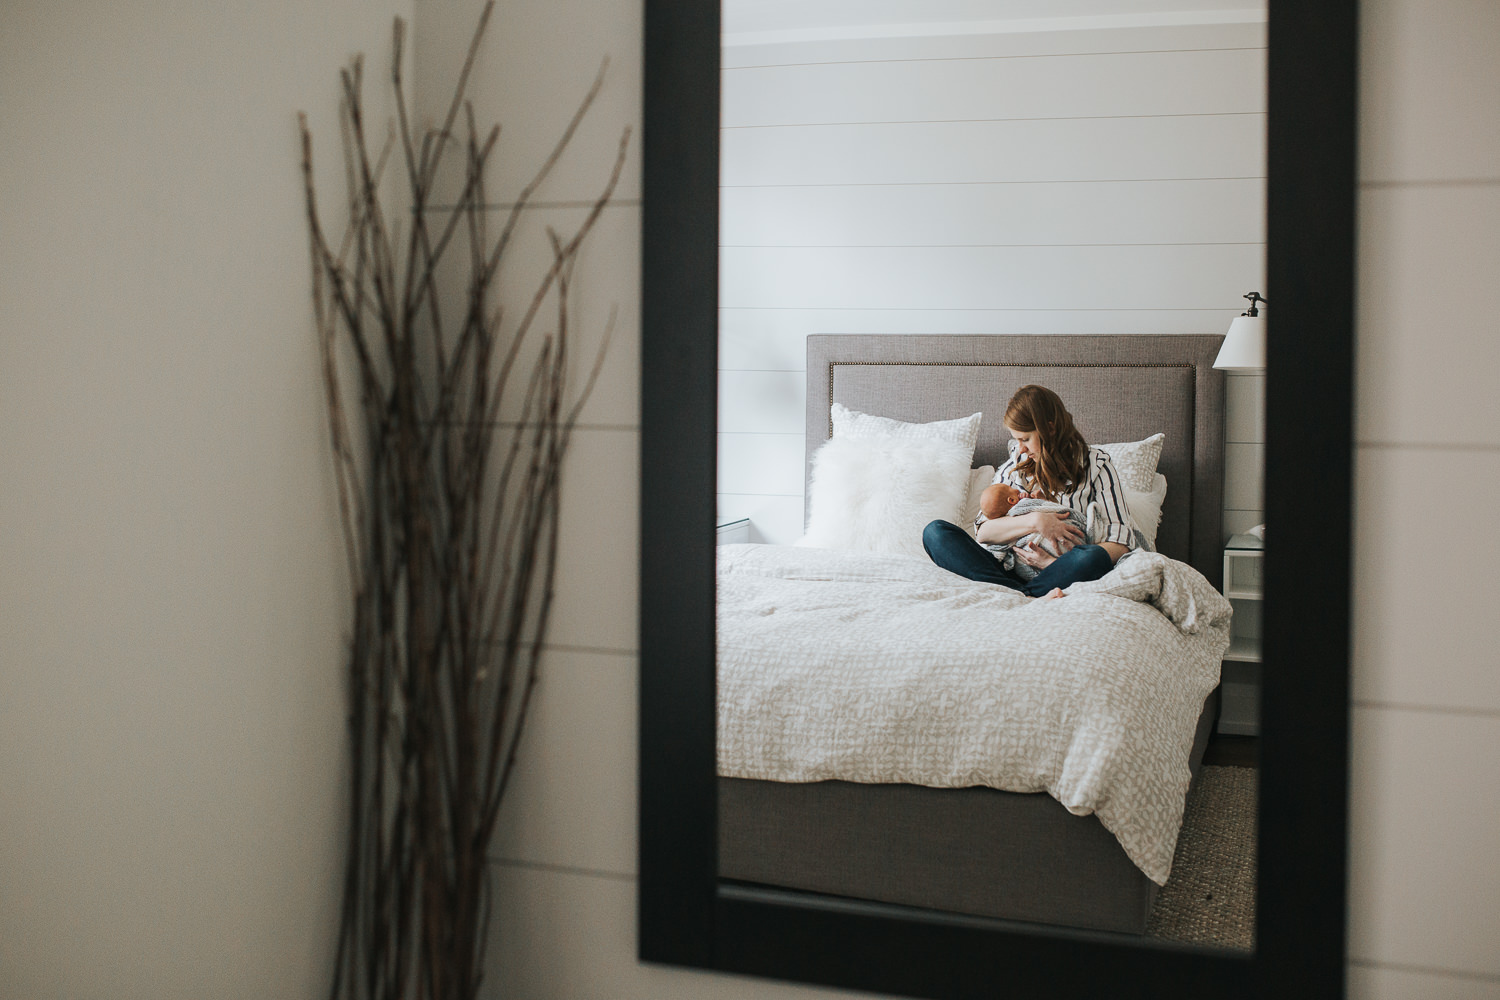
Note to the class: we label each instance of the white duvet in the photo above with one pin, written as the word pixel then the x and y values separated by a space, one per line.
pixel 840 665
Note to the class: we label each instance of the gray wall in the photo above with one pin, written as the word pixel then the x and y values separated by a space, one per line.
pixel 169 709
pixel 171 599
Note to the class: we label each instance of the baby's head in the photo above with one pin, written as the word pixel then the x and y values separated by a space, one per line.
pixel 998 499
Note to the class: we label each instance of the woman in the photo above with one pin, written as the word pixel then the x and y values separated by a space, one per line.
pixel 1048 460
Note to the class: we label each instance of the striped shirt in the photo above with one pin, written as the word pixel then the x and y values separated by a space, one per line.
pixel 1103 486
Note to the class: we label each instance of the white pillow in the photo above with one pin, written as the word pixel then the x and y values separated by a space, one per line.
pixel 1145 508
pixel 877 494
pixel 1136 460
pixel 852 423
pixel 979 481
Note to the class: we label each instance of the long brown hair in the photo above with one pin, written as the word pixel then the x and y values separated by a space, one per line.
pixel 1062 456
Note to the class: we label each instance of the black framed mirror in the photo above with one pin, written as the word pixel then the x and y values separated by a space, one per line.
pixel 687 916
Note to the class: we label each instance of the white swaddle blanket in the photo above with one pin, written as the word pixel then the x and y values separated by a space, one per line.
pixel 1092 523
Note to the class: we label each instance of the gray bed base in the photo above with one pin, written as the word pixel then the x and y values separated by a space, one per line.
pixel 975 851
pixel 981 851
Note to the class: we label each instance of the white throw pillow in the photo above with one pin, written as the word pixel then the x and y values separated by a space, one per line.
pixel 979 481
pixel 877 494
pixel 852 423
pixel 1145 508
pixel 1136 460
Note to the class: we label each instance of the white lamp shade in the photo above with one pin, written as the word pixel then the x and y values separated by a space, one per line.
pixel 1244 346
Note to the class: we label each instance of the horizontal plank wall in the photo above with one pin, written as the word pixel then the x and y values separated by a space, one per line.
pixel 1079 181
pixel 1424 802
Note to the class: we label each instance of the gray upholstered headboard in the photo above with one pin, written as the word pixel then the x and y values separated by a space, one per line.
pixel 1119 387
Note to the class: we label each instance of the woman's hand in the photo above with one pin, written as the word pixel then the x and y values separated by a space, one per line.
pixel 1033 556
pixel 1054 526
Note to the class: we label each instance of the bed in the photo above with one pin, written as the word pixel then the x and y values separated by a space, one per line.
pixel 935 835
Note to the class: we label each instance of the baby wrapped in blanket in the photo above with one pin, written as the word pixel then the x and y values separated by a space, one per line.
pixel 1004 500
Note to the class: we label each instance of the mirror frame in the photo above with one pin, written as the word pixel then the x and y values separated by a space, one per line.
pixel 684 917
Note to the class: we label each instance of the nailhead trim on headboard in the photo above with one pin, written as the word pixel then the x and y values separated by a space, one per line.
pixel 992 364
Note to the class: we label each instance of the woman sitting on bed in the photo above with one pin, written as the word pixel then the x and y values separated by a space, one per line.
pixel 1047 458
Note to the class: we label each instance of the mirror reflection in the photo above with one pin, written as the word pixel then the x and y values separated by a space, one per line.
pixel 927 211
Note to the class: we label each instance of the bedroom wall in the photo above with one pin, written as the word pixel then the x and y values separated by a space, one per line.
pixel 1424 899
pixel 171 599
pixel 1089 180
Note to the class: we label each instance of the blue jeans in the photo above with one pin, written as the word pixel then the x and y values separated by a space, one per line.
pixel 951 548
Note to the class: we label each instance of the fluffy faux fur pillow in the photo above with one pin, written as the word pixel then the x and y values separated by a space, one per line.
pixel 979 481
pixel 877 494
pixel 852 423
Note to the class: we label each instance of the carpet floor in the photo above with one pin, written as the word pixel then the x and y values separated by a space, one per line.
pixel 1210 896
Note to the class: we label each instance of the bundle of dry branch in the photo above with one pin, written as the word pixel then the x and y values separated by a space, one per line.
pixel 450 521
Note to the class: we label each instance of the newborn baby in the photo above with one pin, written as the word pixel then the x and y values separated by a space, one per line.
pixel 1005 500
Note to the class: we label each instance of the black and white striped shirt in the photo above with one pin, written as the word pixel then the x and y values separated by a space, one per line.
pixel 1103 486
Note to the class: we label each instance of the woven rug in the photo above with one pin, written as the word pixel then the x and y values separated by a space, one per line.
pixel 1210 896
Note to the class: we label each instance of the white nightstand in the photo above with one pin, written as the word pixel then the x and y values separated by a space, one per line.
pixel 731 532
pixel 1243 557
pixel 1239 712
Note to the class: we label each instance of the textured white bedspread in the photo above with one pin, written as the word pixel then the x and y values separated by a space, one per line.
pixel 840 665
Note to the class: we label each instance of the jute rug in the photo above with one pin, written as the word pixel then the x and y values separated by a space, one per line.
pixel 1210 896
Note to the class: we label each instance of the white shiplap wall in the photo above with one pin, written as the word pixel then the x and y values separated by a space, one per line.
pixel 1062 181
pixel 1424 916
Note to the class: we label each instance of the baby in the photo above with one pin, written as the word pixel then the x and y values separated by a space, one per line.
pixel 1005 500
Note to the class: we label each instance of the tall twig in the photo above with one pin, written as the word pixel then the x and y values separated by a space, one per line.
pixel 450 524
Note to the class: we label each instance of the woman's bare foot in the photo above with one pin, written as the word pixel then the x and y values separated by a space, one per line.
pixel 1052 594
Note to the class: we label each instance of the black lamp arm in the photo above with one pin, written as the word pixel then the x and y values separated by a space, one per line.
pixel 1254 297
